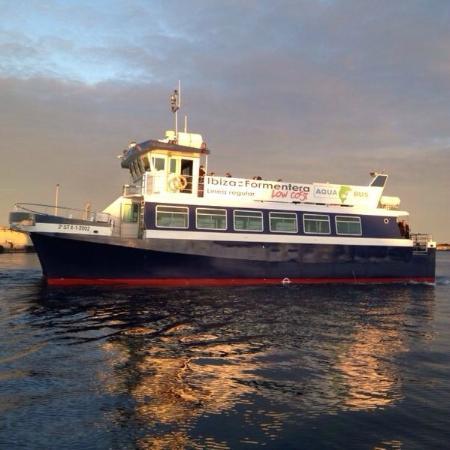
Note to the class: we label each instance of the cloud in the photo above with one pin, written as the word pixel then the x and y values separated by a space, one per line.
pixel 310 90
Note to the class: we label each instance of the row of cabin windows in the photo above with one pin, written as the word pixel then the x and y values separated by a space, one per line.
pixel 216 219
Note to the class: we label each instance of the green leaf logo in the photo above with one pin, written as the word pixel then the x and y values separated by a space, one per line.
pixel 343 193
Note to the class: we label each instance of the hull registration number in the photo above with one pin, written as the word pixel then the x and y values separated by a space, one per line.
pixel 67 226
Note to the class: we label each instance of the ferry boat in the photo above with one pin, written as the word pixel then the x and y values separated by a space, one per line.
pixel 175 224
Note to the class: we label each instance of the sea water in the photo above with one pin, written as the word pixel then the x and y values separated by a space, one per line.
pixel 281 367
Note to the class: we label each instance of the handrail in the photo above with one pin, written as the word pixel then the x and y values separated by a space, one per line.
pixel 72 213
pixel 420 240
pixel 131 189
pixel 421 237
pixel 156 183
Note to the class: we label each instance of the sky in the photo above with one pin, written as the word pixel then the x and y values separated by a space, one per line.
pixel 305 90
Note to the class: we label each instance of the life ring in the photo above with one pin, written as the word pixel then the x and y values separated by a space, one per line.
pixel 177 183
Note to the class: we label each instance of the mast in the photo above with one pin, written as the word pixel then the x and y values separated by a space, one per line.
pixel 175 104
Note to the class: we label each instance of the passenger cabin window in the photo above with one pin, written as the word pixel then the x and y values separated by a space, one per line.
pixel 348 225
pixel 316 224
pixel 283 222
pixel 211 219
pixel 172 217
pixel 130 212
pixel 248 220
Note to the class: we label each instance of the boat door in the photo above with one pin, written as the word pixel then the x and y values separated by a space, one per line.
pixel 130 214
pixel 185 168
pixel 187 172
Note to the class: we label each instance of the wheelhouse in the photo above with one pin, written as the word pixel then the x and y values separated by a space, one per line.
pixel 167 166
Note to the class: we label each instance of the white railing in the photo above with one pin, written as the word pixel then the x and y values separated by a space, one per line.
pixel 421 241
pixel 387 202
pixel 63 211
pixel 131 189
pixel 155 183
pixel 162 183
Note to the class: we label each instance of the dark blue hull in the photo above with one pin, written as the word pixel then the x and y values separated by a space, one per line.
pixel 156 261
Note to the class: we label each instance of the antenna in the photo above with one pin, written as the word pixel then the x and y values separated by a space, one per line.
pixel 175 104
pixel 185 124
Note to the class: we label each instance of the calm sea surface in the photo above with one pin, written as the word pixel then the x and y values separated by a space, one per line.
pixel 284 367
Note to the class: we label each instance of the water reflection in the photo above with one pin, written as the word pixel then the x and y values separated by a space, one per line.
pixel 371 380
pixel 370 367
pixel 192 362
pixel 179 390
pixel 179 377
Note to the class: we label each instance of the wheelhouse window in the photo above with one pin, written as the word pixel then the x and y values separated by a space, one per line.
pixel 316 223
pixel 140 165
pixel 145 162
pixel 132 172
pixel 283 222
pixel 137 169
pixel 248 220
pixel 211 219
pixel 158 163
pixel 172 217
pixel 172 165
pixel 130 212
pixel 348 225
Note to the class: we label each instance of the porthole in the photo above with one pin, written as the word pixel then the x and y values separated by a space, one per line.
pixel 386 220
